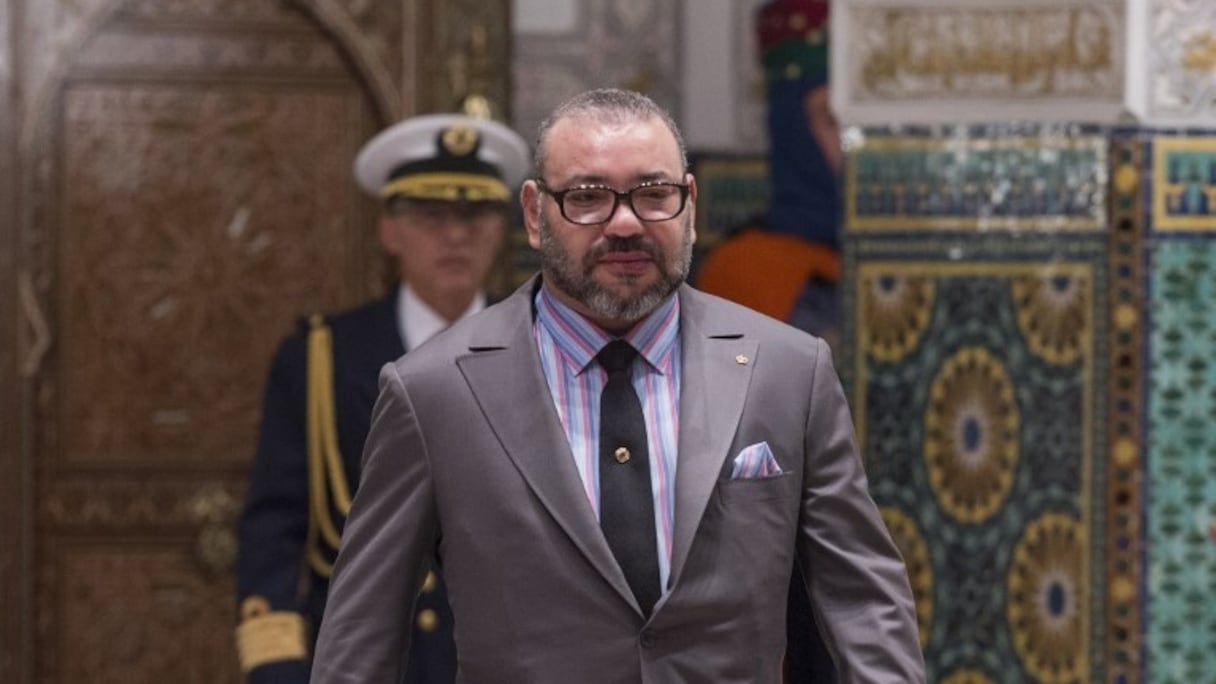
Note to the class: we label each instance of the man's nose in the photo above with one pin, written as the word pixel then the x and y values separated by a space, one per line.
pixel 623 222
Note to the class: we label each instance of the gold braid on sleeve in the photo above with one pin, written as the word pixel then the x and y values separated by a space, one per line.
pixel 326 476
pixel 266 636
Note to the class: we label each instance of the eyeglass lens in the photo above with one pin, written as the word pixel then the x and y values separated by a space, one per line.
pixel 652 202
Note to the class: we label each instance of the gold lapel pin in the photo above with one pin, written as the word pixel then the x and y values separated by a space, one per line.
pixel 741 360
pixel 621 454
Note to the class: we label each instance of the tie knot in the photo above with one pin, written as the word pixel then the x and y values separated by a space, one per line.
pixel 616 356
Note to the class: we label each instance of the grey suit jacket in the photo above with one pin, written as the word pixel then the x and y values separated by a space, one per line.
pixel 467 460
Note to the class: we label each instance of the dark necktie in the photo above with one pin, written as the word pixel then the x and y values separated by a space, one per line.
pixel 626 500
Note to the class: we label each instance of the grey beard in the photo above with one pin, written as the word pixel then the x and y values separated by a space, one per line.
pixel 575 279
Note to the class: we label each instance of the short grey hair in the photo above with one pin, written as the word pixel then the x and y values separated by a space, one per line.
pixel 608 105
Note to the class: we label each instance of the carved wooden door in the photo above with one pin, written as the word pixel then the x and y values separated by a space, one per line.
pixel 175 188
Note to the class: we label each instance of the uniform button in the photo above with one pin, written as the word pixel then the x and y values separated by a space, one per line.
pixel 429 584
pixel 427 620
pixel 648 638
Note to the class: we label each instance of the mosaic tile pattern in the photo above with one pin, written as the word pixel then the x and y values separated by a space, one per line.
pixel 1037 178
pixel 1037 407
pixel 1182 462
pixel 993 407
pixel 979 383
pixel 732 190
pixel 1124 591
pixel 1184 183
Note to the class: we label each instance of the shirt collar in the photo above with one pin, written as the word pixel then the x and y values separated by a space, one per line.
pixel 580 340
pixel 417 322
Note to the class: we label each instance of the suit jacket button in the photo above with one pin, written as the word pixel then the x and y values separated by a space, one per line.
pixel 648 638
pixel 427 620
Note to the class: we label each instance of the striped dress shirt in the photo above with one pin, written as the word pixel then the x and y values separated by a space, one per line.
pixel 568 343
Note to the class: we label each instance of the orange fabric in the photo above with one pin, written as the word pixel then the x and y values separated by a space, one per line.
pixel 766 271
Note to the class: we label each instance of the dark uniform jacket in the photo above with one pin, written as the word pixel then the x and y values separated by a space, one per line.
pixel 274 525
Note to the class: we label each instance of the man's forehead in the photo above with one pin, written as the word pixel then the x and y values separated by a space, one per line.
pixel 580 146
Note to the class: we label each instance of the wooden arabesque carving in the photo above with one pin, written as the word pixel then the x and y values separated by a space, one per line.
pixel 183 175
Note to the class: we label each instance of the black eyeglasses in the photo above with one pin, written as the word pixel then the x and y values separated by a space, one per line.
pixel 589 205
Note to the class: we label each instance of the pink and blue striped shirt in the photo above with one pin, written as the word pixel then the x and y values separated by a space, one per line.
pixel 568 344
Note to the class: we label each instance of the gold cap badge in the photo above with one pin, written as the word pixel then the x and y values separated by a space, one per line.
pixel 459 140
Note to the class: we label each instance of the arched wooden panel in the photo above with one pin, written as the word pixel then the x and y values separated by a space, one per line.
pixel 179 177
pixel 197 199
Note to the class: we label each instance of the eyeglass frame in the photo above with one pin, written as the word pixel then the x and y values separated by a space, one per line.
pixel 559 196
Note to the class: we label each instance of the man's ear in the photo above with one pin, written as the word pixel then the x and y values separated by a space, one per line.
pixel 529 201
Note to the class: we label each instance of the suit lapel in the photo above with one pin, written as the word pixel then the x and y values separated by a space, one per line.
pixel 717 369
pixel 503 371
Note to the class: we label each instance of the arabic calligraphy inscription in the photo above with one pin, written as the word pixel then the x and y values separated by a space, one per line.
pixel 1025 53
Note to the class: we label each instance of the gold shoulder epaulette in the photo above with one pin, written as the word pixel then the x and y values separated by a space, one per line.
pixel 326 474
pixel 266 637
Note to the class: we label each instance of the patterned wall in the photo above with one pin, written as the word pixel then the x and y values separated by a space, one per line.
pixel 1040 296
pixel 1181 407
pixel 1032 381
pixel 978 386
pixel 183 175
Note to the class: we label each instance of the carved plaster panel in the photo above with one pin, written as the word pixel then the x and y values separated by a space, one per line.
pixel 52 31
pixel 971 61
pixel 610 43
pixel 1173 81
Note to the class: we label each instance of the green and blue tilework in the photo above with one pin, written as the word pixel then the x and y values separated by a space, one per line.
pixel 1181 516
pixel 969 178
pixel 977 298
pixel 1184 183
pixel 732 190
pixel 980 383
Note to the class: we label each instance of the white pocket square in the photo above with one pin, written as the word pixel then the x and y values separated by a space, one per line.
pixel 755 461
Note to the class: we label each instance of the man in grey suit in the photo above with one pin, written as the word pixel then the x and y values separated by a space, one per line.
pixel 511 450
